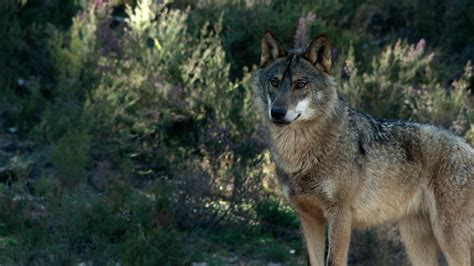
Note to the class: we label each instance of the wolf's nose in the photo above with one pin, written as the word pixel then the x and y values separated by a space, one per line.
pixel 278 113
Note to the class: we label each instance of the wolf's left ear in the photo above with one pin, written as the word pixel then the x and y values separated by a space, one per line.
pixel 271 48
pixel 319 53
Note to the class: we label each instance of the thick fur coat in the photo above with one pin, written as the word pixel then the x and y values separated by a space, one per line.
pixel 344 168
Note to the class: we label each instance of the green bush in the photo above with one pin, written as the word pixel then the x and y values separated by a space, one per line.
pixel 276 217
pixel 275 253
pixel 401 84
pixel 70 158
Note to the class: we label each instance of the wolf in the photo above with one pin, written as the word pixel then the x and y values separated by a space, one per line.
pixel 349 170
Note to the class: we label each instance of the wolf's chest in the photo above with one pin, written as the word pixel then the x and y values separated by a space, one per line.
pixel 295 157
pixel 311 183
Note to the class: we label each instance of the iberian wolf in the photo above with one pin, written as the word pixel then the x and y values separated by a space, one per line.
pixel 347 169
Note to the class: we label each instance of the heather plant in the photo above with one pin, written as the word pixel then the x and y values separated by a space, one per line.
pixel 401 84
pixel 206 77
pixel 165 123
pixel 382 90
pixel 451 108
pixel 301 38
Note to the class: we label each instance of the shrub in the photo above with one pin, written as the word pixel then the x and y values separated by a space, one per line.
pixel 391 78
pixel 400 84
pixel 70 157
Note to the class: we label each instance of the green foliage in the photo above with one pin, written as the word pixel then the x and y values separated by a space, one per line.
pixel 275 253
pixel 146 145
pixel 243 25
pixel 129 227
pixel 18 167
pixel 392 77
pixel 150 95
pixel 206 76
pixel 276 216
pixel 401 84
pixel 70 157
pixel 22 112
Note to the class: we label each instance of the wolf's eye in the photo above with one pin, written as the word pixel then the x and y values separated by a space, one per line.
pixel 300 85
pixel 274 82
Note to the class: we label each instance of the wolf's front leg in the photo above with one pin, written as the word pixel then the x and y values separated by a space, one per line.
pixel 340 224
pixel 313 233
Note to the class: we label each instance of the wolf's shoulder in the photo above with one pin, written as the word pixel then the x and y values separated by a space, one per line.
pixel 386 130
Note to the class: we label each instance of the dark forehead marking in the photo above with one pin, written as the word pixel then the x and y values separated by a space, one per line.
pixel 288 67
pixel 297 57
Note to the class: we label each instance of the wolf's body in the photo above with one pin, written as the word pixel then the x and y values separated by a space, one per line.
pixel 349 170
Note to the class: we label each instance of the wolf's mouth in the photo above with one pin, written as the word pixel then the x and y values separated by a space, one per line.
pixel 284 122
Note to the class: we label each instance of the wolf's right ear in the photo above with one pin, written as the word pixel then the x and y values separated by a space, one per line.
pixel 319 53
pixel 271 49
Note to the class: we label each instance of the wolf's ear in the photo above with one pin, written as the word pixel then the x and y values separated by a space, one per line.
pixel 271 49
pixel 319 53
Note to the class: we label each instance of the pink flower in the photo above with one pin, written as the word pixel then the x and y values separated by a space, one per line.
pixel 301 38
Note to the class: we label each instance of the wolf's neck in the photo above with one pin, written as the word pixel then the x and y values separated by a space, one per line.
pixel 300 145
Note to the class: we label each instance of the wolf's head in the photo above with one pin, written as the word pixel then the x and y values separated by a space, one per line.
pixel 295 86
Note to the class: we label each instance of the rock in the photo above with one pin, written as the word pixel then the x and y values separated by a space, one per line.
pixel 274 264
pixel 199 264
